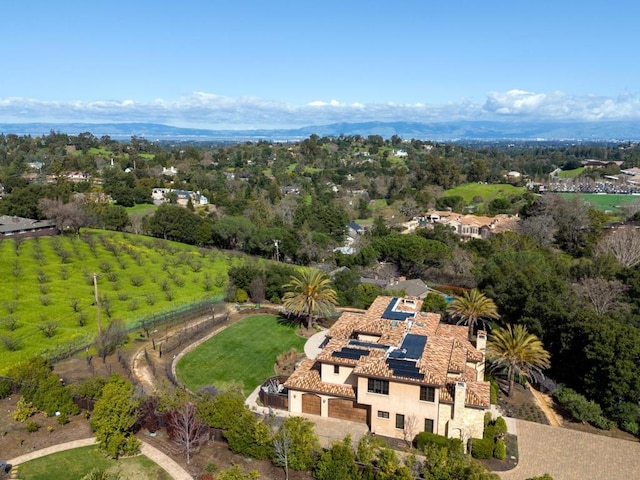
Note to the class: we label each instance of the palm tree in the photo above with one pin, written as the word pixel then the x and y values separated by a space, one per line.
pixel 518 350
pixel 309 293
pixel 471 307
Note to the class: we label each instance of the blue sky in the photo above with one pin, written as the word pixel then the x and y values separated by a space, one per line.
pixel 243 64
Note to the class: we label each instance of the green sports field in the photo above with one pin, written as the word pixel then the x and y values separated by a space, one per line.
pixel 610 203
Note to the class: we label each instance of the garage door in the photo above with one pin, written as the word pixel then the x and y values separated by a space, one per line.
pixel 348 410
pixel 311 404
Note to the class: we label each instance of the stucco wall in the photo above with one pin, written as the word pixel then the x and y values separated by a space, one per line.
pixel 344 377
pixel 402 399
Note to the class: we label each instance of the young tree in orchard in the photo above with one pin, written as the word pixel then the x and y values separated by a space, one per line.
pixel 472 306
pixel 309 292
pixel 518 350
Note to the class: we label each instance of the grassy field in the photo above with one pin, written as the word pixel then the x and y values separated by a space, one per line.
pixel 244 353
pixel 607 203
pixel 47 293
pixel 576 172
pixel 487 192
pixel 75 464
pixel 142 208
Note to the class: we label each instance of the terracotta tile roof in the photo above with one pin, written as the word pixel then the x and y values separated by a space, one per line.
pixel 307 378
pixel 477 394
pixel 446 358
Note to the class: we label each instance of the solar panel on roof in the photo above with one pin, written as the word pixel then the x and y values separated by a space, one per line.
pixel 350 353
pixel 413 345
pixel 367 344
pixel 404 368
pixel 390 314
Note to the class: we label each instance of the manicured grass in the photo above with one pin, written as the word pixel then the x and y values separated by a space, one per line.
pixel 576 172
pixel 244 353
pixel 76 463
pixel 142 208
pixel 488 192
pixel 137 276
pixel 606 203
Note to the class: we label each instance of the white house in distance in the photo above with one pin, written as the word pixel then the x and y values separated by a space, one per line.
pixel 397 369
pixel 197 199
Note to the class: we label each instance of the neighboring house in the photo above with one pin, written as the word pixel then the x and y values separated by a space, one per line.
pixel 26 227
pixel 400 153
pixel 354 229
pixel 414 287
pixel 290 190
pixel 77 177
pixel 474 226
pixel 197 199
pixel 399 371
pixel 171 171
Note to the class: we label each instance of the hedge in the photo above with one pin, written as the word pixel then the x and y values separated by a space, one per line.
pixel 482 447
pixel 427 438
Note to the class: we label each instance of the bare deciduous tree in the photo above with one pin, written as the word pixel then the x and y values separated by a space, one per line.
pixel 604 295
pixel 541 228
pixel 624 244
pixel 68 216
pixel 410 429
pixel 282 449
pixel 187 430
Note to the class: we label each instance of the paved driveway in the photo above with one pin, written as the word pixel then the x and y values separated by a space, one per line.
pixel 568 454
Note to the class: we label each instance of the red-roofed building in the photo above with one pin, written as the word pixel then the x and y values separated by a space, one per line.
pixel 397 369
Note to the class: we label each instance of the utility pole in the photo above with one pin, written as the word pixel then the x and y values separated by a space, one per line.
pixel 95 287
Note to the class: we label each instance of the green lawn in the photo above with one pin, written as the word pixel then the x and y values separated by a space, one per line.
pixel 576 172
pixel 137 276
pixel 487 192
pixel 142 208
pixel 74 464
pixel 244 353
pixel 606 203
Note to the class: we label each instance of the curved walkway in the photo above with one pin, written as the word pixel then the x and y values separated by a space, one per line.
pixel 572 455
pixel 162 460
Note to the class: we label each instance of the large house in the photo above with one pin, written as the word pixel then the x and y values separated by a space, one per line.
pixel 473 226
pixel 397 369
pixel 26 227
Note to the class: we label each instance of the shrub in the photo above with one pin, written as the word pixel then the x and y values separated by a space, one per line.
pixel 427 438
pixel 482 447
pixel 580 408
pixel 494 391
pixel 241 296
pixel 32 426
pixel 488 418
pixel 62 419
pixel 89 388
pixel 24 410
pixel 500 449
pixel 489 432
pixel 5 388
pixel 501 426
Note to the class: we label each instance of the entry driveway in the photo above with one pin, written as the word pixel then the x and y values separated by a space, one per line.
pixel 568 454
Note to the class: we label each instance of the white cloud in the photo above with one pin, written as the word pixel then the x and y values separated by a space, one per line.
pixel 208 110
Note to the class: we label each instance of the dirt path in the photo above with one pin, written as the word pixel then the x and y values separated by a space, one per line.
pixel 544 401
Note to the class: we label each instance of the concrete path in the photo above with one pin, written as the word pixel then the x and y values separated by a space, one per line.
pixel 61 447
pixel 572 455
pixel 169 465
pixel 164 461
pixel 312 346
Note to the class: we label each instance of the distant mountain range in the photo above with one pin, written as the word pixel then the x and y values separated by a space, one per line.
pixel 446 131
